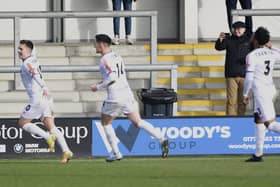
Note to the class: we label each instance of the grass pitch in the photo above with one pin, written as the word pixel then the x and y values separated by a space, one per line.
pixel 142 172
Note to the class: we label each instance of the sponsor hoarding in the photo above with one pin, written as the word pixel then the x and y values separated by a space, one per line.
pixel 187 136
pixel 15 142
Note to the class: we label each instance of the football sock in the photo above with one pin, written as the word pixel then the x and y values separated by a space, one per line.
pixel 112 138
pixel 274 126
pixel 34 129
pixel 260 136
pixel 60 139
pixel 151 130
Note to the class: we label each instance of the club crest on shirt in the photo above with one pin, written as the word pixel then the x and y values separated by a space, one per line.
pixel 27 108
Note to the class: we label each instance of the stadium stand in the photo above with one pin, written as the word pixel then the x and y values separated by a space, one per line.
pixel 201 87
pixel 201 78
pixel 201 83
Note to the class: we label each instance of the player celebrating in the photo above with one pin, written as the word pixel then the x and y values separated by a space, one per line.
pixel 120 99
pixel 40 102
pixel 260 63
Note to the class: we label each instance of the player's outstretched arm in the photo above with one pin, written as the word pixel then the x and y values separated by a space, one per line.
pixel 111 79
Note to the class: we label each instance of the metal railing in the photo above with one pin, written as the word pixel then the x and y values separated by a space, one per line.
pixel 17 16
pixel 172 68
pixel 256 12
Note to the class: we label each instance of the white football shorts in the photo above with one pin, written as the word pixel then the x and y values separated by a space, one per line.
pixel 264 104
pixel 119 108
pixel 44 109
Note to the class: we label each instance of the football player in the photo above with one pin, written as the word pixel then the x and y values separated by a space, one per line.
pixel 120 99
pixel 40 101
pixel 259 79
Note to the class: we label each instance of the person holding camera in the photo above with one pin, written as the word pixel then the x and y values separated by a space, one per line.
pixel 237 46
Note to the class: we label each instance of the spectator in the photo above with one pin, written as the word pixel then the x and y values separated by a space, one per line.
pixel 237 47
pixel 245 4
pixel 127 5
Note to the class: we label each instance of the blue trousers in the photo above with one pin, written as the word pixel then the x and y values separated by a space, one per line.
pixel 127 4
pixel 245 4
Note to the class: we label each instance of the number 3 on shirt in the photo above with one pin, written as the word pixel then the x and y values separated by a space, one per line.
pixel 267 67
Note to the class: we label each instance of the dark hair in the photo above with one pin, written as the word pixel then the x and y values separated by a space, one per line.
pixel 28 43
pixel 262 36
pixel 103 38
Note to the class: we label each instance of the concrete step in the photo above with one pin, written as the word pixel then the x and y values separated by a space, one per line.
pixel 186 49
pixel 207 63
pixel 86 76
pixel 138 75
pixel 196 71
pixel 55 85
pixel 202 113
pixel 194 83
pixel 84 85
pixel 6 76
pixel 201 69
pixel 166 74
pixel 181 58
pixel 88 50
pixel 6 85
pixel 95 60
pixel 92 107
pixel 60 107
pixel 47 76
pixel 201 105
pixel 21 96
pixel 58 76
pixel 89 96
pixel 4 61
pixel 135 84
pixel 187 94
pixel 42 50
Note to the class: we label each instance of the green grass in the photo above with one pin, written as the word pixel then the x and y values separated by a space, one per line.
pixel 143 172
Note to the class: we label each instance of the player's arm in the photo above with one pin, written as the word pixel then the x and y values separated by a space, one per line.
pixel 221 42
pixel 36 75
pixel 249 78
pixel 110 79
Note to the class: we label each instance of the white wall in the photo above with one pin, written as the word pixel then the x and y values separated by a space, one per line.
pixel 33 29
pixel 213 18
pixel 86 28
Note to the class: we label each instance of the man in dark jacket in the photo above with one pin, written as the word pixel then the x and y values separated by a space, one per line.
pixel 237 47
pixel 245 4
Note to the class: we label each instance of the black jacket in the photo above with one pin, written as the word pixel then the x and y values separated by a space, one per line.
pixel 237 49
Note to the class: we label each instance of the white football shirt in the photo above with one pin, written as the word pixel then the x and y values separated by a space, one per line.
pixel 120 90
pixel 29 68
pixel 261 62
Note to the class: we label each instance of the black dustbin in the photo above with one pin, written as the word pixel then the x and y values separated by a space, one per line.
pixel 158 102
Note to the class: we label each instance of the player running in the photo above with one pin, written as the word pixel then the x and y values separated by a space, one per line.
pixel 260 63
pixel 120 99
pixel 40 101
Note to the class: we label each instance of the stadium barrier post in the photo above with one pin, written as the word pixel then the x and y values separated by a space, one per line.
pixel 173 85
pixel 16 22
pixel 153 49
